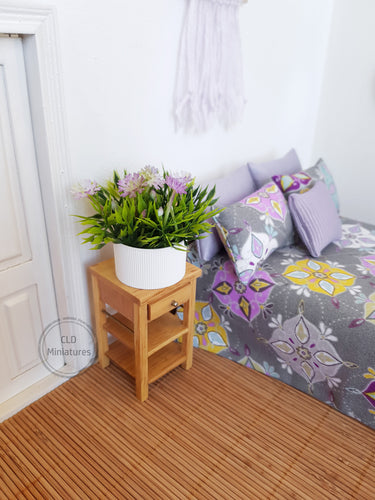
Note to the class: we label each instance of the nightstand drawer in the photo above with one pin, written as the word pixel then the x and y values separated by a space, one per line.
pixel 162 306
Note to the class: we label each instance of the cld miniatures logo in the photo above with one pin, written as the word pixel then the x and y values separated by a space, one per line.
pixel 67 346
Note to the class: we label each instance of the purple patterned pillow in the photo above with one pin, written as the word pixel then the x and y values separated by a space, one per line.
pixel 315 218
pixel 293 183
pixel 254 227
pixel 229 189
pixel 263 172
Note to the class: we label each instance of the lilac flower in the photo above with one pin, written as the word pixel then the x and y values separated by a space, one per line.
pixel 130 185
pixel 178 184
pixel 151 177
pixel 89 188
pixel 92 188
pixel 78 192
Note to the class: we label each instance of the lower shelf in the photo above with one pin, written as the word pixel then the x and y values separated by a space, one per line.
pixel 159 363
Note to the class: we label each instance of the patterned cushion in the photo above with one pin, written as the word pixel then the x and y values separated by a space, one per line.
pixel 229 189
pixel 320 172
pixel 294 183
pixel 305 179
pixel 254 227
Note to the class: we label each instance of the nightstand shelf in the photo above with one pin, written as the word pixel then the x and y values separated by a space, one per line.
pixel 144 328
pixel 161 331
pixel 160 363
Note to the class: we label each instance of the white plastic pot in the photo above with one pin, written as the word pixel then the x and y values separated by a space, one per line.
pixel 149 269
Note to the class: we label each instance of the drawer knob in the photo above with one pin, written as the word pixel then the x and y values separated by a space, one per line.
pixel 174 303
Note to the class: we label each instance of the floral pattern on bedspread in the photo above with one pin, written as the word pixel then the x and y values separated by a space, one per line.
pixel 306 349
pixel 369 392
pixel 246 301
pixel 356 236
pixel 308 321
pixel 320 277
pixel 209 333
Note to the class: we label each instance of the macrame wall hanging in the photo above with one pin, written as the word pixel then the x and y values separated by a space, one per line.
pixel 209 83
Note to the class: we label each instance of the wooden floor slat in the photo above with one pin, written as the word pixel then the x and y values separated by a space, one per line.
pixel 217 431
pixel 152 436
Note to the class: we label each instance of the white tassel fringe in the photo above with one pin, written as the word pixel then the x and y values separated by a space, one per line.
pixel 209 85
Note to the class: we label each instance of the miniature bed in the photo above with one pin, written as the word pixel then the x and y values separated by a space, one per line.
pixel 301 314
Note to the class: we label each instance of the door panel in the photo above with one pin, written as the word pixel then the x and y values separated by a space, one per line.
pixel 27 296
pixel 12 220
pixel 23 323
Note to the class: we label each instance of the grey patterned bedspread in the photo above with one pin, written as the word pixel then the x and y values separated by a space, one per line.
pixel 309 322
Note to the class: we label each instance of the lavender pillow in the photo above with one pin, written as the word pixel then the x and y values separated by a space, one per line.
pixel 254 227
pixel 229 189
pixel 315 218
pixel 263 172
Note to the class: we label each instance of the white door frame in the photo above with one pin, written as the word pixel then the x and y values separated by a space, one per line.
pixel 47 110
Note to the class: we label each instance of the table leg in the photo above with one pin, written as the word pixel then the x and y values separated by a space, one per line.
pixel 140 351
pixel 187 341
pixel 100 317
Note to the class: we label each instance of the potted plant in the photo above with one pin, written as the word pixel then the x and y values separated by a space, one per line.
pixel 150 217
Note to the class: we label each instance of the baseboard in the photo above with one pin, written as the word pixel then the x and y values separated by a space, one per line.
pixel 29 395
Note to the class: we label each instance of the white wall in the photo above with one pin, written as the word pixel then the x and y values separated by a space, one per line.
pixel 345 134
pixel 118 67
pixel 119 60
pixel 118 70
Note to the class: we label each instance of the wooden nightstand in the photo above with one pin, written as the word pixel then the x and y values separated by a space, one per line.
pixel 143 325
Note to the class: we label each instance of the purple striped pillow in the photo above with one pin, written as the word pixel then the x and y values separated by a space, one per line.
pixel 315 218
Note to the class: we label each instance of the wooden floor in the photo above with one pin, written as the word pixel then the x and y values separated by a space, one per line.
pixel 217 431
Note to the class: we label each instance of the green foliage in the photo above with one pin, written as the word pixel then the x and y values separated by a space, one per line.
pixel 156 217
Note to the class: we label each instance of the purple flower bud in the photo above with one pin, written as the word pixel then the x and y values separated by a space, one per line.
pixel 178 184
pixel 92 188
pixel 130 185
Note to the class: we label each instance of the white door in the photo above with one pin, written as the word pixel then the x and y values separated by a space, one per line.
pixel 27 296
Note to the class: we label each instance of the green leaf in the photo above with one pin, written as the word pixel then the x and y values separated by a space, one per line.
pixel 94 230
pixel 118 217
pixel 97 240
